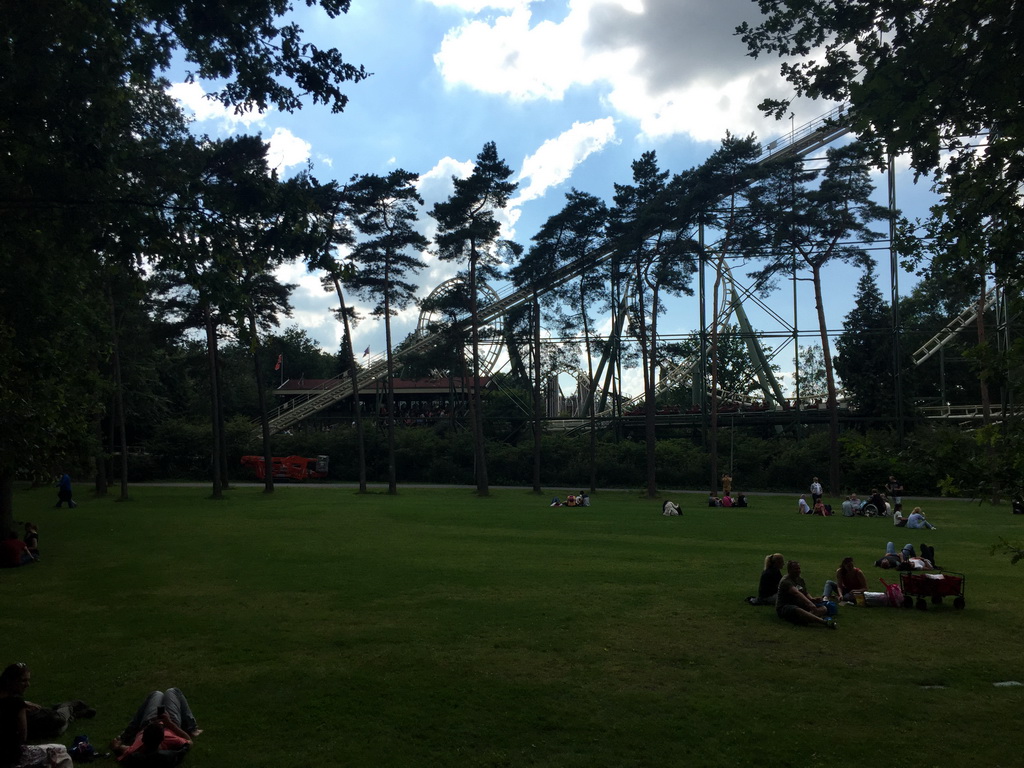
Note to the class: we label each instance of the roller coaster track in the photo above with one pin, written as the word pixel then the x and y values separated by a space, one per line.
pixel 947 334
pixel 799 142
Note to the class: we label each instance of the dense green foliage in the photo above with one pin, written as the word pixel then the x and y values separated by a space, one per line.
pixel 325 627
pixel 97 175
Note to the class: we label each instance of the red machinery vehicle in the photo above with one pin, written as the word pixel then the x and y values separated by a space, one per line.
pixel 916 584
pixel 289 467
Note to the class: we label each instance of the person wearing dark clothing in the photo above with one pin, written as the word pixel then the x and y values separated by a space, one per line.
pixel 64 492
pixel 22 721
pixel 794 604
pixel 768 586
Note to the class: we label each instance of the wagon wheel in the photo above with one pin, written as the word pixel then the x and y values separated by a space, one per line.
pixel 936 599
pixel 908 601
pixel 959 603
pixel 922 604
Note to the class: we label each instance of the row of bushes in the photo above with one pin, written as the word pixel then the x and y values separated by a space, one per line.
pixel 932 460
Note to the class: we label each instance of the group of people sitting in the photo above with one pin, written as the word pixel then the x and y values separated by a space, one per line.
pixel 790 597
pixel 877 505
pixel 727 500
pixel 16 551
pixel 160 733
pixel 819 508
pixel 793 603
pixel 580 500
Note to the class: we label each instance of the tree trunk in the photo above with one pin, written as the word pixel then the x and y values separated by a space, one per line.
pixel 476 397
pixel 225 470
pixel 716 293
pixel 261 397
pixel 537 402
pixel 592 394
pixel 986 397
pixel 122 436
pixel 834 474
pixel 101 481
pixel 392 469
pixel 354 377
pixel 211 355
pixel 6 501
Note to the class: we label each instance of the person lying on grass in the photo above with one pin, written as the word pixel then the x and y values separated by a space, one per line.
pixel 794 605
pixel 161 732
pixel 907 559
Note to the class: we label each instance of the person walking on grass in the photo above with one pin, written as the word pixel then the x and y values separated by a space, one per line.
pixel 64 492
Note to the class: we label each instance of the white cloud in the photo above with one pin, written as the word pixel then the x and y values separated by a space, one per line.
pixel 674 66
pixel 286 150
pixel 475 6
pixel 556 159
pixel 194 99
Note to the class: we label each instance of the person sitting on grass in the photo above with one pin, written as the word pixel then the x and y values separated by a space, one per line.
pixel 741 501
pixel 670 508
pixel 14 552
pixel 16 730
pixel 161 732
pixel 31 539
pixel 802 506
pixel 793 604
pixel 877 501
pixel 713 501
pixel 849 580
pixel 917 520
pixel 768 586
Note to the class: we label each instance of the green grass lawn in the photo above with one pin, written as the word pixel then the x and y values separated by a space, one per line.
pixel 317 627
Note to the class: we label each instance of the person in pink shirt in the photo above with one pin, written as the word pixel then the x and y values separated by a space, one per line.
pixel 161 732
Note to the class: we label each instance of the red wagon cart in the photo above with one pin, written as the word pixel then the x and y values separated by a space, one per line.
pixel 919 585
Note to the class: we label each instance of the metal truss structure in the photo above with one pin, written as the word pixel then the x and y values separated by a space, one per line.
pixel 800 142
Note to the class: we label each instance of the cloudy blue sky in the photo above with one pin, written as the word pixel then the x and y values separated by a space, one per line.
pixel 571 91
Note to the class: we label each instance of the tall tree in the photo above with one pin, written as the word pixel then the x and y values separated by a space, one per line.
pixel 334 237
pixel 572 236
pixel 467 234
pixel 927 79
pixel 384 210
pixel 792 225
pixel 72 75
pixel 865 350
pixel 655 256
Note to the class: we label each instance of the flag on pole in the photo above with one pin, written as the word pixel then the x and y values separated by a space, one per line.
pixel 280 362
pixel 367 352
